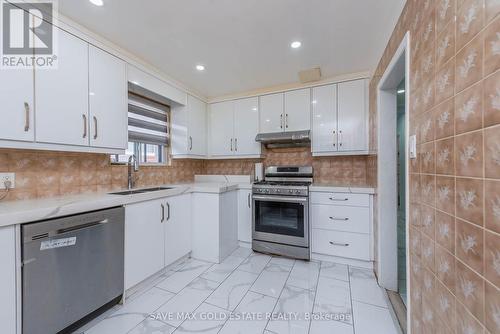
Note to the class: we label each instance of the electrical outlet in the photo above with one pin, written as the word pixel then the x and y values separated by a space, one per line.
pixel 7 177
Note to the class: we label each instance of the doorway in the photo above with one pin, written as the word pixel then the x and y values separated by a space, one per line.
pixel 401 175
pixel 392 180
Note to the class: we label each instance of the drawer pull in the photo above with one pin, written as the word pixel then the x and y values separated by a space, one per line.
pixel 338 199
pixel 335 218
pixel 338 244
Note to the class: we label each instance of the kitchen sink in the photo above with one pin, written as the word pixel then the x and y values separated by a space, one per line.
pixel 139 191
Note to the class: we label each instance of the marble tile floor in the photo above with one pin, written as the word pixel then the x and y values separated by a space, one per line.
pixel 254 293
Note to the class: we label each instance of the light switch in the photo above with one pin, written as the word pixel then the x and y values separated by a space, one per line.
pixel 7 177
pixel 413 147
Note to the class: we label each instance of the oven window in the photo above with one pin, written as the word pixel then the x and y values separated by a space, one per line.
pixel 279 218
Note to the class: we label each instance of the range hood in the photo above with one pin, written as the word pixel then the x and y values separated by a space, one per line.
pixel 285 139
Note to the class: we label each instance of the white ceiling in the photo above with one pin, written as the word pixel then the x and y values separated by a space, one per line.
pixel 244 44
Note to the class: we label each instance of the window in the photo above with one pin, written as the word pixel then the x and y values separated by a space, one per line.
pixel 148 131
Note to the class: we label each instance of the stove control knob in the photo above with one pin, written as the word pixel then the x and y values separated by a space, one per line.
pixel 267 191
pixel 297 191
pixel 290 191
pixel 278 190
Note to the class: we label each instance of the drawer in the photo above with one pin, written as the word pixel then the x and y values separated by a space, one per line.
pixel 341 218
pixel 344 244
pixel 340 199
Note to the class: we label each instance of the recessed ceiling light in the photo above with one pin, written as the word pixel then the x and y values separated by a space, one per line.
pixel 296 45
pixel 401 91
pixel 97 2
pixel 200 67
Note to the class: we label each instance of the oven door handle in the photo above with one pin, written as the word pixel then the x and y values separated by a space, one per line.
pixel 281 199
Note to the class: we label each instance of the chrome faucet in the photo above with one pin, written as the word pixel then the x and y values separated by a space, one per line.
pixel 131 181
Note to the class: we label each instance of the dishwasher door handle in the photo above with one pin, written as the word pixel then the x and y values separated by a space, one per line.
pixel 82 226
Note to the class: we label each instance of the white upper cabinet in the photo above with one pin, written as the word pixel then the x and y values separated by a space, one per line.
pixel 62 95
pixel 233 127
pixel 197 128
pixel 324 118
pixel 297 115
pixel 340 118
pixel 271 113
pixel 189 129
pixel 108 100
pixel 246 126
pixel 221 129
pixel 16 101
pixel 352 115
pixel 289 111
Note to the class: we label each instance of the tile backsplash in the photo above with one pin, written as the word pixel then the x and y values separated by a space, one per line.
pixel 42 174
pixel 455 180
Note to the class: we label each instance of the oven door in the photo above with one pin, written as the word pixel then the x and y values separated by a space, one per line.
pixel 281 219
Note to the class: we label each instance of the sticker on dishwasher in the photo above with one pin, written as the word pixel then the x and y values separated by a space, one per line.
pixel 58 243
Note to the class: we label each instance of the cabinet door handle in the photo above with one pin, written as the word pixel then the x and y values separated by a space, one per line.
pixel 236 144
pixel 249 203
pixel 95 127
pixel 84 125
pixel 231 144
pixel 286 121
pixel 334 138
pixel 190 143
pixel 338 199
pixel 162 213
pixel 335 218
pixel 340 138
pixel 168 211
pixel 338 244
pixel 26 116
pixel 281 121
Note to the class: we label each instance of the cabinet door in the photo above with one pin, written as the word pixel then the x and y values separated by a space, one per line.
pixel 221 129
pixel 62 95
pixel 197 139
pixel 246 126
pixel 144 240
pixel 352 116
pixel 324 118
pixel 16 101
pixel 245 215
pixel 108 100
pixel 8 289
pixel 177 227
pixel 298 110
pixel 271 113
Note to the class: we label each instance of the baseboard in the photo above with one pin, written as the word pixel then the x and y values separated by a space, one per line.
pixel 244 244
pixel 343 260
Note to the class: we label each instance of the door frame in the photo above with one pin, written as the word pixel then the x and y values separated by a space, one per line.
pixel 387 265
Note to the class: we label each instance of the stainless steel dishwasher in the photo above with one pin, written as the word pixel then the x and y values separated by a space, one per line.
pixel 73 267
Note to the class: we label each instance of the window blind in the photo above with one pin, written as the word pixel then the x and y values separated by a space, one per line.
pixel 147 121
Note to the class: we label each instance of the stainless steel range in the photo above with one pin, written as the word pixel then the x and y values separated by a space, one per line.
pixel 281 212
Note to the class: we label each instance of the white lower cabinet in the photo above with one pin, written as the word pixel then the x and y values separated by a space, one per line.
pixel 157 233
pixel 343 244
pixel 342 225
pixel 8 300
pixel 245 215
pixel 144 240
pixel 177 227
pixel 214 231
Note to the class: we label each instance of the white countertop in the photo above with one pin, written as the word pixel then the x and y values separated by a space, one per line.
pixel 18 212
pixel 323 187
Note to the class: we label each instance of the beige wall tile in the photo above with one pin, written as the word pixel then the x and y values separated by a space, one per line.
pixel 469 200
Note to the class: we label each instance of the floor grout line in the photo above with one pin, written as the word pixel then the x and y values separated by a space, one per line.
pixel 315 294
pixel 350 297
